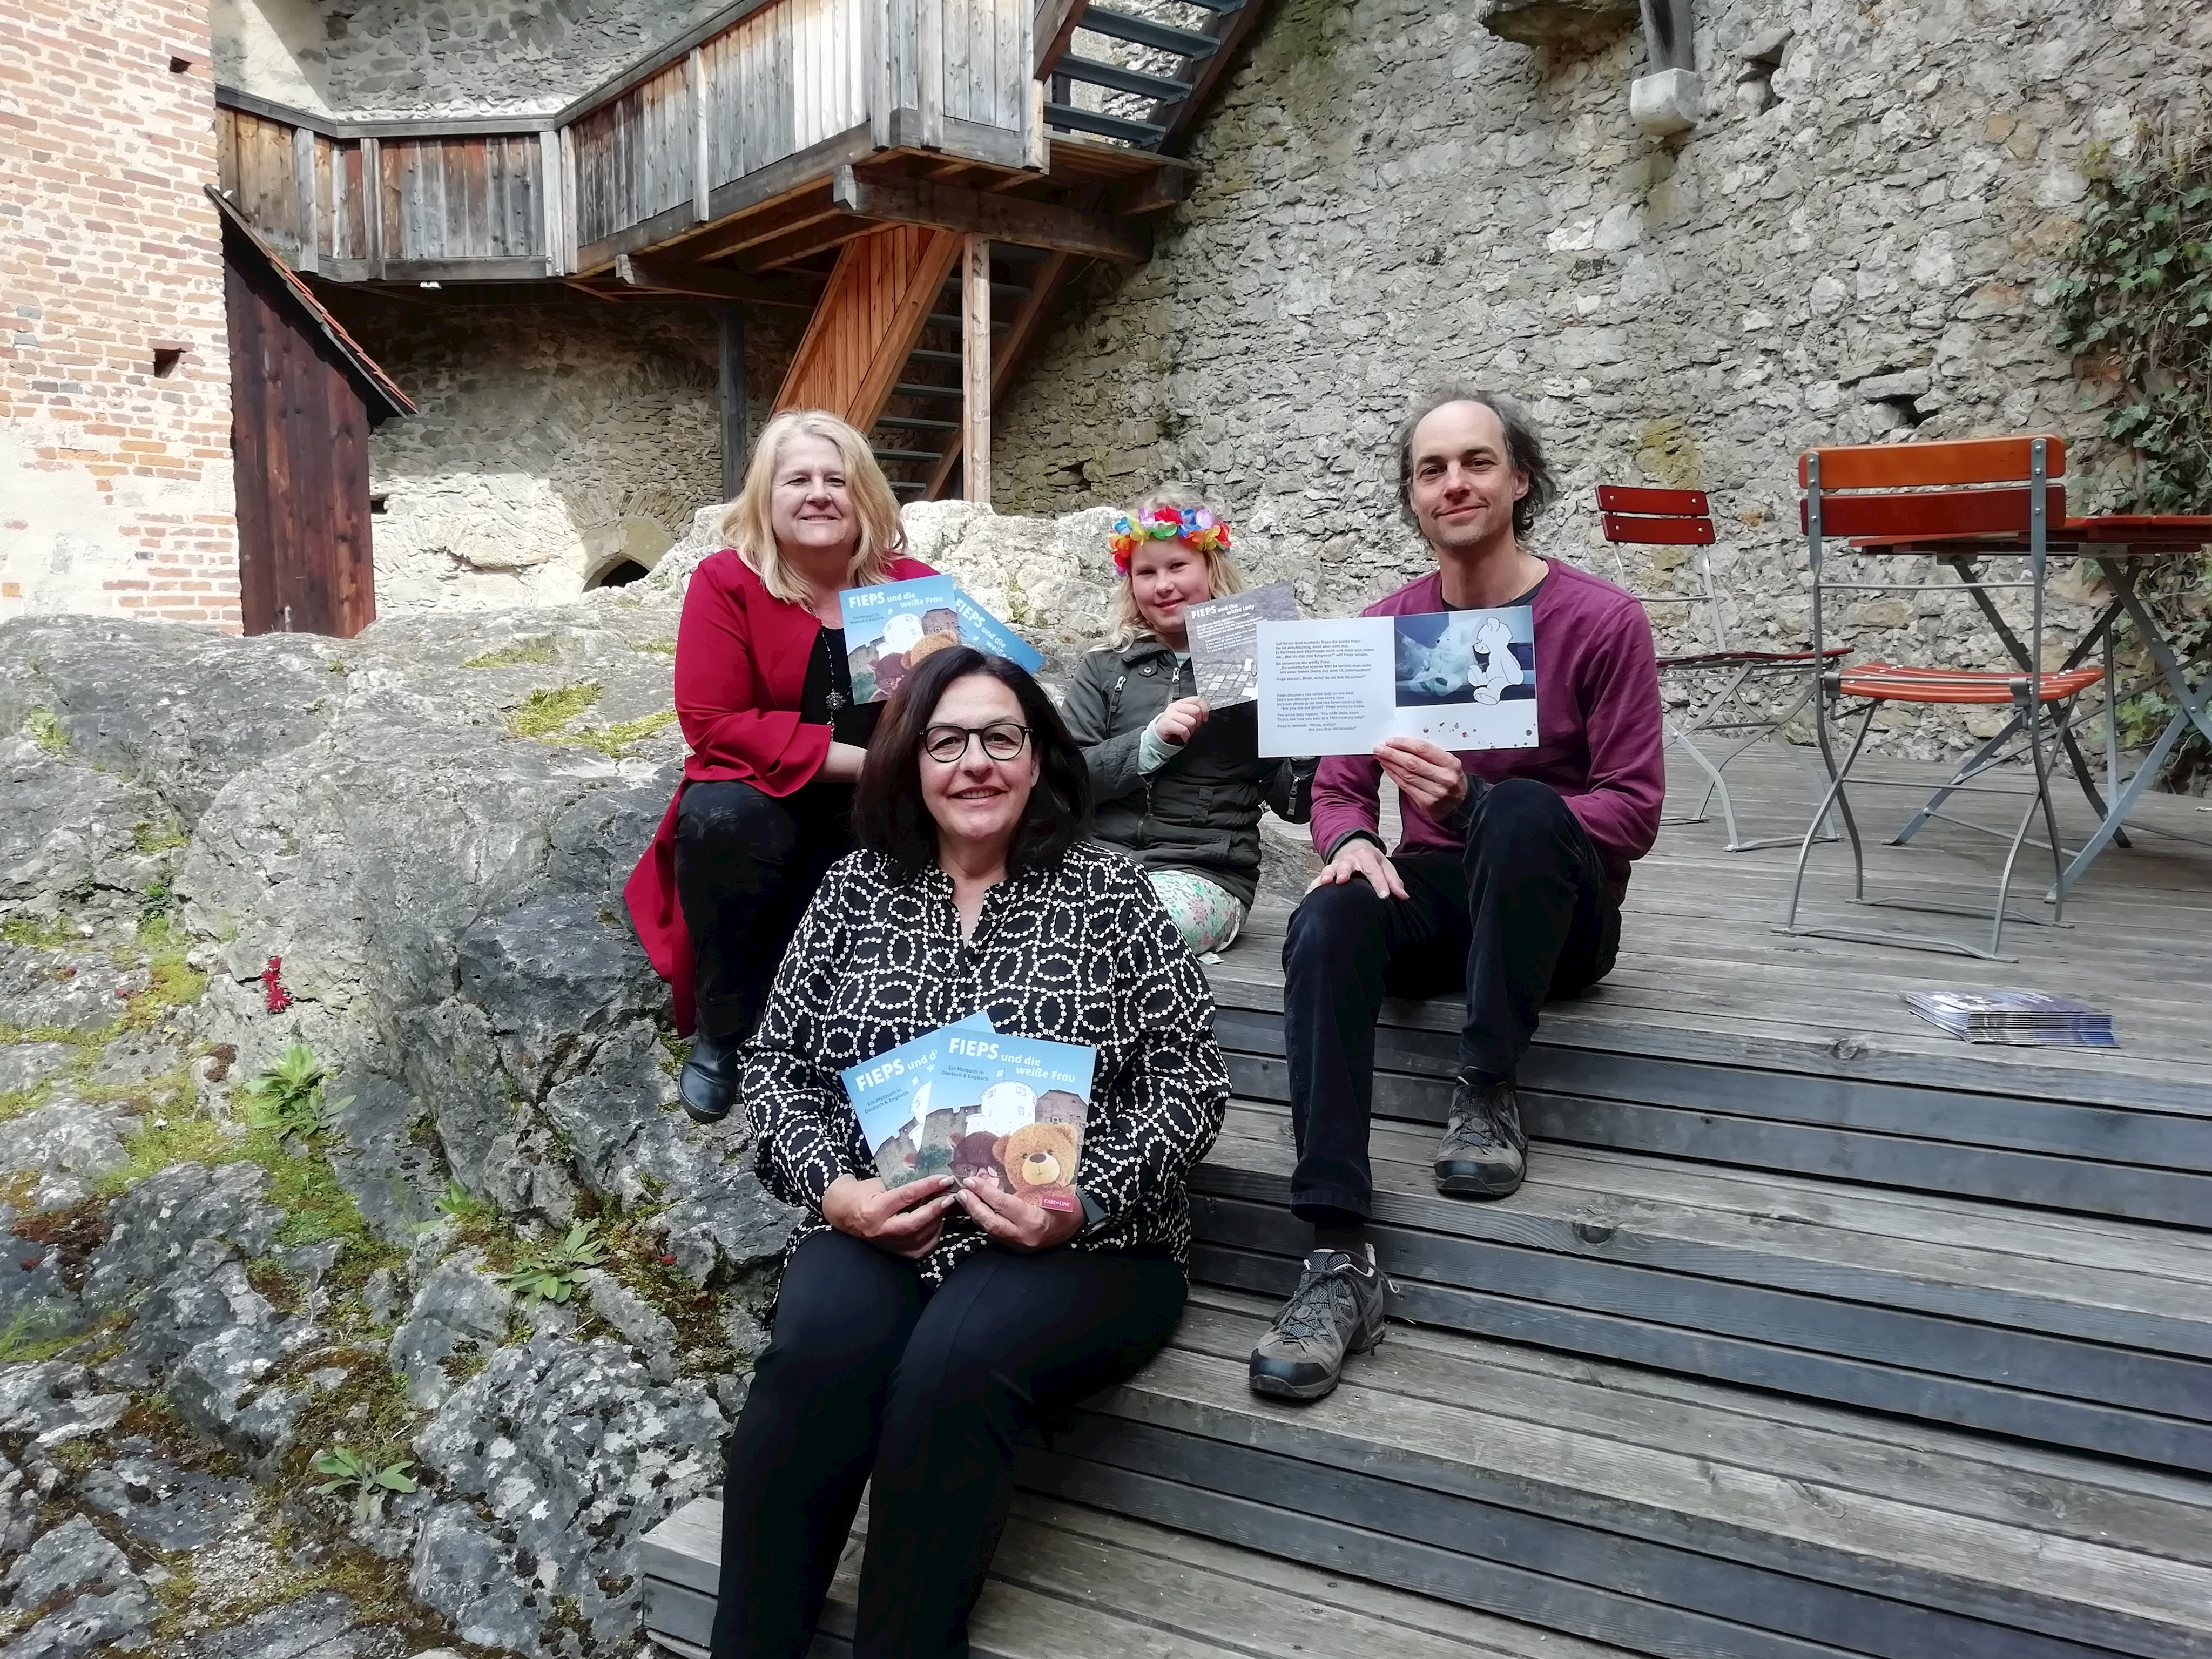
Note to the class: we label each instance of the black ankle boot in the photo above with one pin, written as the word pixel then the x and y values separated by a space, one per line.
pixel 707 1085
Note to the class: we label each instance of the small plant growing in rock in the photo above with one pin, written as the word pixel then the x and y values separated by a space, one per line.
pixel 355 1476
pixel 549 709
pixel 288 1098
pixel 549 1274
pixel 463 1206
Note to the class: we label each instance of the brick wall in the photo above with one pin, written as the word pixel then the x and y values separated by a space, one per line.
pixel 115 482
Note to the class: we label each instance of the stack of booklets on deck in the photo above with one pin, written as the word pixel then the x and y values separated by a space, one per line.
pixel 2029 1019
pixel 966 1100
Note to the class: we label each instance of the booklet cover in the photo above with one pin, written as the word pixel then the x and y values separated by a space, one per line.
pixel 979 628
pixel 1463 679
pixel 964 1100
pixel 2026 1018
pixel 1224 651
pixel 892 626
pixel 889 627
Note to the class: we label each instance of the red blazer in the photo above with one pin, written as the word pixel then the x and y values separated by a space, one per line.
pixel 741 660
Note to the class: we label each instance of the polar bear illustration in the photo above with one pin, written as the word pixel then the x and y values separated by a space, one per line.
pixel 1474 651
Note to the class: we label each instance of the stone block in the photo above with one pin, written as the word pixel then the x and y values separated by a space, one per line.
pixel 1667 103
pixel 1570 25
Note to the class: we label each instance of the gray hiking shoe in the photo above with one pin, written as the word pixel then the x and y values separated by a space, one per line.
pixel 1336 1309
pixel 1484 1151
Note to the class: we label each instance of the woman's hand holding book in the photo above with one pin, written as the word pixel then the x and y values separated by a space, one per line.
pixel 1015 1222
pixel 904 1220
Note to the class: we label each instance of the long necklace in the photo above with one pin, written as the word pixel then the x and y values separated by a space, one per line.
pixel 836 699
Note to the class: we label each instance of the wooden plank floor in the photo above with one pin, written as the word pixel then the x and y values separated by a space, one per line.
pixel 1071 1581
pixel 1671 1516
pixel 1705 976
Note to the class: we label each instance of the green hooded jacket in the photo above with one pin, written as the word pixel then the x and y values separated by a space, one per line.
pixel 1199 812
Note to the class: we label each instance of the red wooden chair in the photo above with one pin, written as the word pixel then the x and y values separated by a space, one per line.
pixel 1740 712
pixel 2005 491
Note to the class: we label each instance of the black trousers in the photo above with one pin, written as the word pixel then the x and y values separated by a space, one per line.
pixel 746 863
pixel 871 1378
pixel 1524 915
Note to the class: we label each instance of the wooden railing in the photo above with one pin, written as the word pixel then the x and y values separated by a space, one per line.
pixel 765 98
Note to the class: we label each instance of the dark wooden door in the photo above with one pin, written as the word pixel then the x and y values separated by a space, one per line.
pixel 299 439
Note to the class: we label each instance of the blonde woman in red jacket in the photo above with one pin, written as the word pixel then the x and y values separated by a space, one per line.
pixel 776 739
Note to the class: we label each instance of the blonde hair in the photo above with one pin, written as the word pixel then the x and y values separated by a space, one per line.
pixel 1222 574
pixel 747 527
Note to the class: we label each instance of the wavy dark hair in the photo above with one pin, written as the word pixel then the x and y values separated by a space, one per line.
pixel 889 814
pixel 1524 453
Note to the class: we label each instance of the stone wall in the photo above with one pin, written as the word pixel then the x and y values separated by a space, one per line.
pixel 1849 249
pixel 554 440
pixel 115 480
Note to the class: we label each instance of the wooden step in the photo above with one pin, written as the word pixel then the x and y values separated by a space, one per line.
pixel 1075 1583
pixel 2090 1334
pixel 1667 1515
pixel 2122 1136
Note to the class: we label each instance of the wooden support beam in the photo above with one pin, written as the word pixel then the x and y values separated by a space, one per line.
pixel 798 208
pixel 695 74
pixel 552 203
pixel 1000 218
pixel 372 203
pixel 303 181
pixel 737 442
pixel 976 365
pixel 1036 306
pixel 818 237
pixel 795 291
pixel 878 302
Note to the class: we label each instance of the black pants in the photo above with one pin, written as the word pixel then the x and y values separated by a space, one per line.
pixel 1524 914
pixel 870 1374
pixel 746 863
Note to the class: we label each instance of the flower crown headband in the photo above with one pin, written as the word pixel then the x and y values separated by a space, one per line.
pixel 1195 524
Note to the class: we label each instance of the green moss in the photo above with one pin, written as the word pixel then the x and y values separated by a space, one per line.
pixel 39 936
pixel 161 1142
pixel 621 738
pixel 549 709
pixel 158 837
pixel 35 1334
pixel 522 652
pixel 657 648
pixel 44 727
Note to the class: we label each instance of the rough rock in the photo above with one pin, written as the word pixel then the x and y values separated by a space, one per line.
pixel 154 1223
pixel 118 1618
pixel 136 1057
pixel 56 1401
pixel 637 1322
pixel 553 1461
pixel 318 1626
pixel 217 1388
pixel 72 1556
pixel 70 830
pixel 732 1230
pixel 22 1065
pixel 69 1145
pixel 167 1508
pixel 206 1295
pixel 1566 25
pixel 68 990
pixel 461 1311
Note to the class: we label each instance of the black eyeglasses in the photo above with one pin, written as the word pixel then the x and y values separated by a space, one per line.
pixel 948 745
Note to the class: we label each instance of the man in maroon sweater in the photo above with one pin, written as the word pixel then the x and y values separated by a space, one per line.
pixel 1507 883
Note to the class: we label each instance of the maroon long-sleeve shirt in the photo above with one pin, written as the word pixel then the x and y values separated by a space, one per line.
pixel 1600 740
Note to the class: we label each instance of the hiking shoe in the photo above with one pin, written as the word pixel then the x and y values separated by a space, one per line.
pixel 1484 1151
pixel 1336 1309
pixel 707 1085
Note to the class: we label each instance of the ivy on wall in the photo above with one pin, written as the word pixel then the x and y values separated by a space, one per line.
pixel 2134 289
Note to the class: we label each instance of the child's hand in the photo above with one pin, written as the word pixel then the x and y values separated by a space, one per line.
pixel 1179 721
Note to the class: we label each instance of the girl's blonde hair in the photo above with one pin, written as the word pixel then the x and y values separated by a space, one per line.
pixel 747 527
pixel 1221 572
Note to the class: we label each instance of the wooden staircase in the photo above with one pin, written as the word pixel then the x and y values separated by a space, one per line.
pixel 1813 1332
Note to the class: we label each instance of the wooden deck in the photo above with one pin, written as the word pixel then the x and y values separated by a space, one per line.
pixel 1814 1331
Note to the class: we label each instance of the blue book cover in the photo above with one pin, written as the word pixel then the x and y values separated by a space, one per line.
pixel 979 628
pixel 892 626
pixel 1012 1109
pixel 890 1096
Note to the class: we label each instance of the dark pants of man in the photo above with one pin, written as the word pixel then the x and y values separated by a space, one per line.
pixel 746 863
pixel 1524 915
pixel 872 1379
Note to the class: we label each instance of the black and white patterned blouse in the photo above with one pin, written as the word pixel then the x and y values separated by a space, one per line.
pixel 1076 952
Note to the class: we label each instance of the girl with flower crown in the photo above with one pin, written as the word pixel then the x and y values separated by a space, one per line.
pixel 1178 786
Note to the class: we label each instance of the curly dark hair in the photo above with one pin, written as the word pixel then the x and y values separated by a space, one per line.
pixel 1524 452
pixel 889 814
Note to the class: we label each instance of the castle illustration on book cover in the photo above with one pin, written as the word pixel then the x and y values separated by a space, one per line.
pixel 965 1100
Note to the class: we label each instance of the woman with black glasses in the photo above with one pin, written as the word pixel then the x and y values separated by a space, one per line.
pixel 921 1330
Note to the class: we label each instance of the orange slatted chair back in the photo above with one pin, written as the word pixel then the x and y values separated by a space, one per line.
pixel 1971 486
pixel 1660 518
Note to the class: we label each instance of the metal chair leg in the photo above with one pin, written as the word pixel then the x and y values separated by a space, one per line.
pixel 1834 798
